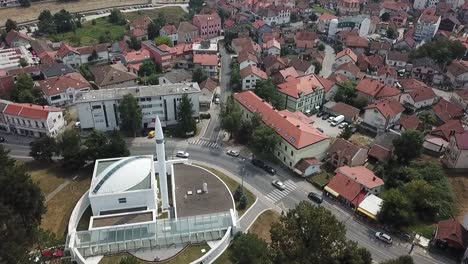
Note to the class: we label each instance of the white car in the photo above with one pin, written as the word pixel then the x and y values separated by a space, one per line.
pixel 278 184
pixel 330 119
pixel 384 237
pixel 182 154
pixel 343 125
pixel 233 153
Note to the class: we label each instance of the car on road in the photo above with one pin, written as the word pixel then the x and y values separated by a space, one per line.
pixel 182 154
pixel 258 163
pixel 216 101
pixel 319 129
pixel 269 169
pixel 343 125
pixel 233 153
pixel 325 116
pixel 315 197
pixel 151 134
pixel 2 139
pixel 278 184
pixel 384 237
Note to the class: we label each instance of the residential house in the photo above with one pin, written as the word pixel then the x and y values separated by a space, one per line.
pixel 302 67
pixel 357 44
pixel 382 148
pixel 283 75
pixel 427 25
pixel 374 90
pixel 82 55
pixel 350 113
pixel 450 234
pixel 456 156
pixel 247 45
pixel 386 74
pixel 299 140
pixel 417 95
pixel 250 75
pixel 392 7
pixel 305 40
pixel 350 70
pixel 358 23
pixel 408 122
pixel 437 141
pixel 345 56
pixel 272 47
pixel 135 58
pixel 445 111
pixel 177 76
pixel 369 64
pixel 17 39
pixel 274 15
pixel 324 22
pixel 344 153
pixel 382 115
pixel 207 62
pixel 380 48
pixel 459 97
pixel 208 91
pixel 55 69
pixel 205 47
pixel 449 23
pixel 397 59
pixel 457 73
pixel 141 22
pixel 351 185
pixel 186 32
pixel 399 19
pixel 62 90
pixel 407 43
pixel 161 55
pixel 113 76
pixel 273 63
pixel 247 59
pixel 261 27
pixel 209 26
pixel 307 167
pixel 7 85
pixel 304 93
pixel 171 32
pixel 348 7
pixel 31 120
pixel 427 70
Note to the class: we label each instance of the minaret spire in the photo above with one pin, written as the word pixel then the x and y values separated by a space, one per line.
pixel 161 155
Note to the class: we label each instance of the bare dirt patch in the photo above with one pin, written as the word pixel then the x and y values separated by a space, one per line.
pixel 261 226
pixel 459 187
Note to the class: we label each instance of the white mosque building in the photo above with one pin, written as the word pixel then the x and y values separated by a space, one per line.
pixel 147 203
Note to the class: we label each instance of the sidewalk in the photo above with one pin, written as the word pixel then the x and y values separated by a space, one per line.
pixel 17 139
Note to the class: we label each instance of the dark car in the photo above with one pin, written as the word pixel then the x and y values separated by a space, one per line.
pixel 269 169
pixel 2 139
pixel 258 163
pixel 315 197
pixel 325 116
pixel 319 114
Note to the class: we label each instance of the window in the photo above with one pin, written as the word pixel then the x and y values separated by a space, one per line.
pixel 54 98
pixel 122 200
pixel 96 107
pixel 285 148
pixel 29 122
pixel 292 153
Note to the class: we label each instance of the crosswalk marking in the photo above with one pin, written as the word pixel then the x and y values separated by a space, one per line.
pixel 206 143
pixel 277 195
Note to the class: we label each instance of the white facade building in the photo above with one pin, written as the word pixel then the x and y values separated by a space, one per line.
pixel 427 25
pixel 380 116
pixel 361 23
pixel 99 108
pixel 275 17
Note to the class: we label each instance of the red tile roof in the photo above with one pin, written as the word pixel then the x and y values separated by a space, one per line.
pixel 429 16
pixel 273 43
pixel 347 52
pixel 288 73
pixel 12 34
pixel 303 164
pixel 229 23
pixel 137 56
pixel 463 94
pixel 410 122
pixel 258 24
pixel 253 70
pixel 444 130
pixel 421 93
pixel 295 131
pixel 30 111
pixel 362 175
pixel 345 109
pixel 345 187
pixel 376 89
pixel 205 59
pixel 388 108
pixel 387 69
pixel 301 86
pixel 141 22
pixel 446 110
pixel 7 84
pixel 326 16
pixel 356 42
pixel 170 29
pixel 244 56
pixel 453 232
pixel 349 67
pixel 58 85
pixel 462 140
pixel 379 152
pixel 65 49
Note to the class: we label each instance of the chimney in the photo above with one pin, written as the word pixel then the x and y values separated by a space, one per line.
pixel 298 125
pixel 285 116
pixel 373 178
pixel 452 132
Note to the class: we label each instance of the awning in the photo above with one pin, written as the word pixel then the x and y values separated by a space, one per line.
pixel 367 213
pixel 332 192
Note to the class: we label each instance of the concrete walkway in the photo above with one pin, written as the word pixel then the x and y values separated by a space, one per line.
pixel 57 190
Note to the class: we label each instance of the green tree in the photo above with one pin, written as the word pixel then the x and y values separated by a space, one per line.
pixel 294 238
pixel 64 21
pixel 317 66
pixel 360 103
pixel 21 209
pixel 242 202
pixel 116 17
pixel 185 121
pixel 93 56
pixel 407 259
pixel 409 145
pixel 163 40
pixel 428 120
pixel 235 81
pixel 346 93
pixel 441 50
pixel 391 33
pixel 153 30
pixel 248 248
pixel 196 5
pixel 24 3
pixel 148 68
pixel 130 115
pixel 23 63
pixel 129 260
pixel 264 140
pixel 231 116
pixel 43 148
pixel 10 25
pixel 396 209
pixel 267 90
pixel 101 145
pixel 153 79
pixel 86 72
pixel 69 147
pixel 134 43
pixel 385 17
pixel 346 133
pixel 321 47
pixel 25 91
pixel 46 23
pixel 199 75
pixel 106 37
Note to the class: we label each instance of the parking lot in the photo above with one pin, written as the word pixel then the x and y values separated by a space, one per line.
pixel 326 127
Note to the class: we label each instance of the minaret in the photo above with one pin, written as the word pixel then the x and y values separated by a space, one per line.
pixel 161 155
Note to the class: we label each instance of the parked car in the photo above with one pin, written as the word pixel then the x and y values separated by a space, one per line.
pixel 2 139
pixel 320 114
pixel 151 134
pixel 182 154
pixel 233 153
pixel 315 197
pixel 384 237
pixel 269 169
pixel 258 163
pixel 278 184
pixel 325 116
pixel 216 101
pixel 337 120
pixel 319 129
pixel 330 119
pixel 343 125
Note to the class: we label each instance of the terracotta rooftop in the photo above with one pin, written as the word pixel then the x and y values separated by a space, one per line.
pixel 345 109
pixel 446 129
pixel 446 110
pixel 112 74
pixel 410 122
pixel 376 89
pixel 458 67
pixel 300 65
pixel 170 29
pixel 429 16
pixel 294 131
pixel 301 86
pixel 326 16
pixel 258 24
pixel 137 56
pixel 58 85
pixel 388 108
pixel 387 70
pixel 141 22
pixel 345 187
pixel 273 43
pixel 30 111
pixel 205 59
pixel 347 52
pixel 253 70
pixel 244 56
pixel 288 73
pixel 349 67
pixel 362 175
pixel 343 148
pixel 356 42
pixel 462 140
pixel 451 230
pixel 463 94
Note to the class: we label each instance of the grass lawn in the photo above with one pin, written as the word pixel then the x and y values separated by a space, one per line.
pixel 61 205
pixel 47 176
pixel 190 254
pixel 361 140
pixel 322 10
pixel 426 230
pixel 89 34
pixel 262 225
pixel 321 179
pixel 232 185
pixel 172 14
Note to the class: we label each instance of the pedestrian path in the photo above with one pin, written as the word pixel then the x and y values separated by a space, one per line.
pixel 277 195
pixel 205 143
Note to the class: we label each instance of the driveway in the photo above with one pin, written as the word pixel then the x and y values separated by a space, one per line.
pixel 327 61
pixel 326 127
